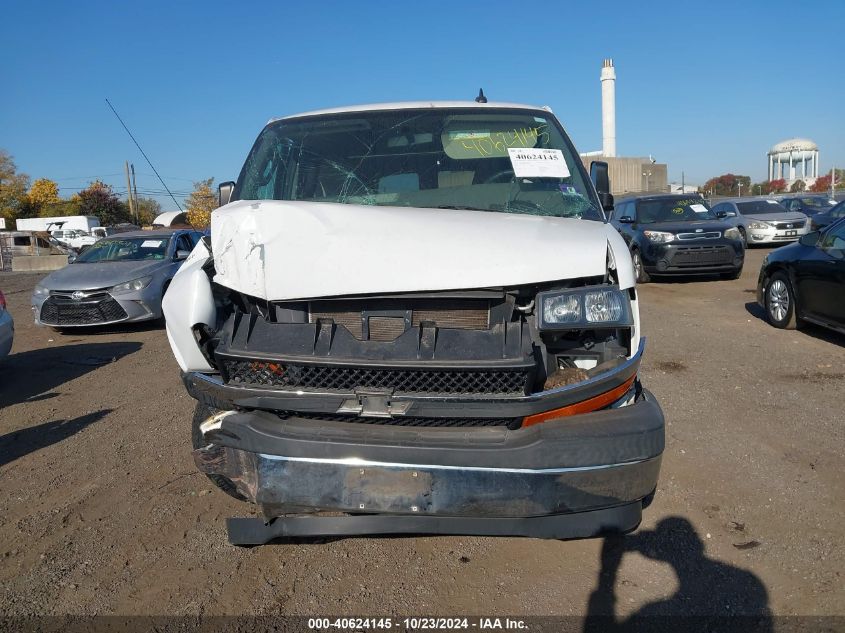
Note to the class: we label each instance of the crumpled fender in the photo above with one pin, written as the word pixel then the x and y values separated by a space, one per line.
pixel 189 302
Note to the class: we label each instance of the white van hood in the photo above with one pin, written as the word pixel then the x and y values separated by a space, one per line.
pixel 278 250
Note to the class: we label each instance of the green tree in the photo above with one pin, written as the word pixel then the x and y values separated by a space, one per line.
pixel 148 209
pixel 13 187
pixel 798 185
pixel 201 202
pixel 99 200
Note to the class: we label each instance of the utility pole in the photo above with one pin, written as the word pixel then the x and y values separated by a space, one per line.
pixel 832 181
pixel 129 191
pixel 739 187
pixel 683 185
pixel 135 194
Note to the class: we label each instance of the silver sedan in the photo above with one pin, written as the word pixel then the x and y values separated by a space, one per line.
pixel 119 279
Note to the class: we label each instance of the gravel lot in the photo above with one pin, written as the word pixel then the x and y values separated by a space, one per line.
pixel 103 512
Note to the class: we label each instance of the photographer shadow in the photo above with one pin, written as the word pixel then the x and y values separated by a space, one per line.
pixel 710 592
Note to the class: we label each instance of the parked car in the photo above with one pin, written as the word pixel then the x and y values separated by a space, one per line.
pixel 74 238
pixel 678 234
pixel 7 328
pixel 808 204
pixel 417 312
pixel 762 220
pixel 821 220
pixel 120 278
pixel 806 281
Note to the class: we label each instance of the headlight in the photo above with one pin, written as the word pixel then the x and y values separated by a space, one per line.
pixel 660 237
pixel 759 225
pixel 733 233
pixel 40 291
pixel 584 307
pixel 131 286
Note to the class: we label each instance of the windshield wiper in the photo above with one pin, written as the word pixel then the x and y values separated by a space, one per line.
pixel 461 208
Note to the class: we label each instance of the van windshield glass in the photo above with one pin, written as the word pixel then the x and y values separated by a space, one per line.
pixel 486 159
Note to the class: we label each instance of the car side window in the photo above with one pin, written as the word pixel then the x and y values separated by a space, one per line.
pixel 183 243
pixel 834 240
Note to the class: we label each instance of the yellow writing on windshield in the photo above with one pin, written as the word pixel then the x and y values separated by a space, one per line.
pixel 497 143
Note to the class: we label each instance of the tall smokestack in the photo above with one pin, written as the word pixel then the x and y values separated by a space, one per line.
pixel 608 108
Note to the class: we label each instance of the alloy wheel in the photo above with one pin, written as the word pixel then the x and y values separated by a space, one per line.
pixel 778 300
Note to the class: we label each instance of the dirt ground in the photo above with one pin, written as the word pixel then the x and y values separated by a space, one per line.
pixel 103 512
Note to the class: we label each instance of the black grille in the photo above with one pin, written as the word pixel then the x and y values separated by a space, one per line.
pixel 94 309
pixel 701 255
pixel 798 224
pixel 511 423
pixel 317 377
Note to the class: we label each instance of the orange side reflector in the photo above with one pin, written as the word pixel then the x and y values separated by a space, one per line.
pixel 585 406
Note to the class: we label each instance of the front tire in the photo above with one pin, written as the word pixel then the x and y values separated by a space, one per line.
pixel 202 413
pixel 780 302
pixel 639 269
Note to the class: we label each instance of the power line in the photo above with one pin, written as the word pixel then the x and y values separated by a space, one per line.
pixel 142 152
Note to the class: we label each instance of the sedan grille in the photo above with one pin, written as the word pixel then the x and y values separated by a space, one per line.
pixel 96 307
pixel 798 224
pixel 510 423
pixel 347 379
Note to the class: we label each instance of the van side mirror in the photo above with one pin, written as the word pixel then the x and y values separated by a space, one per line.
pixel 224 192
pixel 810 239
pixel 182 255
pixel 626 219
pixel 601 181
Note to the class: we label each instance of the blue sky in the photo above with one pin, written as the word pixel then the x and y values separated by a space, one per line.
pixel 705 87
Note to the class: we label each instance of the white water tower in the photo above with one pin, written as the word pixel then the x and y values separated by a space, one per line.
pixel 788 158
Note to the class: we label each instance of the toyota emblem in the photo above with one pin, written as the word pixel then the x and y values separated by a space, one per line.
pixel 78 295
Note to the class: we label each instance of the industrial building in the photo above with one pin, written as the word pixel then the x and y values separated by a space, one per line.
pixel 628 175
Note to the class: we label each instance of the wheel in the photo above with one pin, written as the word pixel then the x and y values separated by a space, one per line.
pixel 202 413
pixel 639 270
pixel 743 236
pixel 780 302
pixel 736 274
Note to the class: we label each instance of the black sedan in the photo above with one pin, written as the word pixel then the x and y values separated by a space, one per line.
pixel 808 204
pixel 821 220
pixel 805 281
pixel 678 235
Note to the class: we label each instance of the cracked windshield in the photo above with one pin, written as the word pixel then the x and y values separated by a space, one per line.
pixel 463 158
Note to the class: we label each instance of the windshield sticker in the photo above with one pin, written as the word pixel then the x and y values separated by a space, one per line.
pixel 538 163
pixel 152 243
pixel 569 189
pixel 698 208
pixel 486 143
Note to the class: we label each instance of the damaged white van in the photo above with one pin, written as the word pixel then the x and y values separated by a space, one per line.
pixel 415 318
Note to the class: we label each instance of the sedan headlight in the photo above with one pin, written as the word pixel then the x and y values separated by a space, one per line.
pixel 733 233
pixel 40 291
pixel 584 307
pixel 131 286
pixel 759 225
pixel 661 237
